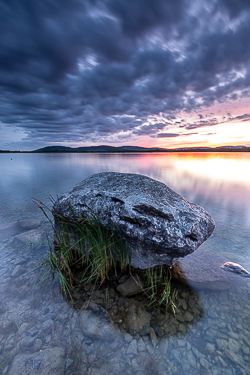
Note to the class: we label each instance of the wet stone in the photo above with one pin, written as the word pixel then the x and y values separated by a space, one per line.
pixel 182 328
pixel 210 347
pixel 27 342
pixel 222 362
pixel 132 348
pixel 48 339
pixel 141 345
pixel 128 337
pixel 211 314
pixel 221 343
pixel 137 317
pixel 88 341
pixel 150 348
pixel 234 345
pixel 132 332
pixel 188 317
pixel 204 363
pixel 95 322
pixel 32 331
pixel 144 331
pixel 191 302
pixel 232 356
pixel 18 270
pixel 38 344
pixel 159 332
pixel 31 237
pixel 132 286
pixel 191 359
pixel 29 223
pixel 48 326
pixel 246 349
pixel 154 323
pixel 123 278
pixel 48 361
pixel 153 337
pixel 196 352
pixel 68 363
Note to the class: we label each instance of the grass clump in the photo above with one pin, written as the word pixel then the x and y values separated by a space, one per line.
pixel 158 288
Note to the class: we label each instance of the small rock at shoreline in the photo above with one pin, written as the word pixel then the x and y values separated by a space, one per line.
pixel 206 269
pixel 29 223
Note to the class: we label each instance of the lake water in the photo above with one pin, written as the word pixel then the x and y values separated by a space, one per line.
pixel 39 329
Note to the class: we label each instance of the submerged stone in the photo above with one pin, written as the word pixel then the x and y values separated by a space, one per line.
pixel 95 322
pixel 10 229
pixel 205 269
pixel 47 361
pixel 132 286
pixel 158 223
pixel 29 223
pixel 31 237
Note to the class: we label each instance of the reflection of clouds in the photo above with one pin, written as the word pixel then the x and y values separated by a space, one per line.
pixel 218 182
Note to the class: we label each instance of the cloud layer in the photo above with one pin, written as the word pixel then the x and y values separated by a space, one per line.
pixel 105 71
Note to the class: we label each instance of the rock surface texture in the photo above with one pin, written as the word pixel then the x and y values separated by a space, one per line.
pixel 205 269
pixel 158 223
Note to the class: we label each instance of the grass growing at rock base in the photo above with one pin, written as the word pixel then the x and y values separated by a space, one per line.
pixel 157 287
pixel 100 254
pixel 93 248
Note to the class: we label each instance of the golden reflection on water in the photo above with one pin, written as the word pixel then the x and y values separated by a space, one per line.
pixel 226 167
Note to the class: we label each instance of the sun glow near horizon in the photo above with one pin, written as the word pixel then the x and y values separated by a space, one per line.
pixel 228 133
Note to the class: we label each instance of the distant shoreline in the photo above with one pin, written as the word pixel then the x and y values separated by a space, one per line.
pixel 212 150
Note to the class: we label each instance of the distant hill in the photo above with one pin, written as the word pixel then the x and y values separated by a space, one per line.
pixel 102 148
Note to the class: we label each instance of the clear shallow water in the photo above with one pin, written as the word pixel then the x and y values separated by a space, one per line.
pixel 213 339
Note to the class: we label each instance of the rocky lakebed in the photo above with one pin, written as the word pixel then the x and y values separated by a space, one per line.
pixel 113 330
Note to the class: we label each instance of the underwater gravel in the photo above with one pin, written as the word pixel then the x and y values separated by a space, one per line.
pixel 210 333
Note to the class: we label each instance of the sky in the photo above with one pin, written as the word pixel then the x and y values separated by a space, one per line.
pixel 158 73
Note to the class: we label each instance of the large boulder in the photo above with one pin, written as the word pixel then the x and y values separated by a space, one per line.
pixel 158 223
pixel 206 269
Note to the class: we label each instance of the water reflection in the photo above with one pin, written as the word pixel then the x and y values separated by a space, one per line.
pixel 210 333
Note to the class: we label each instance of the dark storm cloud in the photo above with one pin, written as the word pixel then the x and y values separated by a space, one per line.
pixel 173 135
pixel 151 129
pixel 202 123
pixel 167 135
pixel 245 117
pixel 214 121
pixel 85 70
